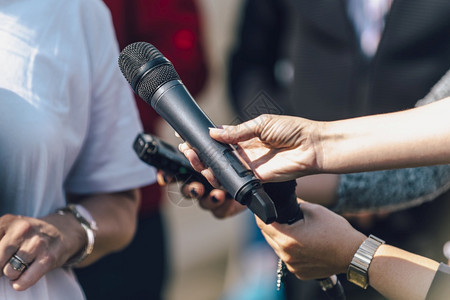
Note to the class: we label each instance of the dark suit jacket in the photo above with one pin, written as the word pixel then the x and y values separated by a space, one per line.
pixel 332 78
pixel 302 57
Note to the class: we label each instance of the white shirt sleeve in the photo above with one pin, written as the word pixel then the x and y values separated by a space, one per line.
pixel 107 162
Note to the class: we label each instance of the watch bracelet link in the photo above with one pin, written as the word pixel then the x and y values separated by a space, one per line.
pixel 90 227
pixel 357 271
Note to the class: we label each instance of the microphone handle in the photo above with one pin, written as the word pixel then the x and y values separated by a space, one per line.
pixel 289 212
pixel 173 102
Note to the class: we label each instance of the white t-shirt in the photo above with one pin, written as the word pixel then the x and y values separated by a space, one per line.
pixel 67 117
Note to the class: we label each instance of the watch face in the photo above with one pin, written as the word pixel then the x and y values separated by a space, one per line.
pixel 357 277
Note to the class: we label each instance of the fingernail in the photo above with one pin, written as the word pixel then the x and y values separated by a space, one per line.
pixel 194 192
pixel 216 131
pixel 214 199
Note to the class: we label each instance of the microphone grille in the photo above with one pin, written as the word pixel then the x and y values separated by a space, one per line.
pixel 154 79
pixel 132 60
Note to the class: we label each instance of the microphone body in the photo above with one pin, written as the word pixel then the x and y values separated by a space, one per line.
pixel 155 80
pixel 174 103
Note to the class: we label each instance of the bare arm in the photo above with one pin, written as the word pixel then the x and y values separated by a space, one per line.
pixel 399 274
pixel 415 137
pixel 116 217
pixel 280 148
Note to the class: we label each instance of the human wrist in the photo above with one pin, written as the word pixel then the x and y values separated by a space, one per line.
pixel 72 235
pixel 314 131
pixel 348 249
pixel 327 142
pixel 342 148
pixel 89 228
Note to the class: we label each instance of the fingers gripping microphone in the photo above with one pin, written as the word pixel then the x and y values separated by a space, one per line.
pixel 289 212
pixel 155 80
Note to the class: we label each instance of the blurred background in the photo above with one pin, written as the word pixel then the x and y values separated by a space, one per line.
pixel 185 252
pixel 204 252
pixel 212 259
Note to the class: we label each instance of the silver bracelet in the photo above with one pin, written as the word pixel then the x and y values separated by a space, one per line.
pixel 90 227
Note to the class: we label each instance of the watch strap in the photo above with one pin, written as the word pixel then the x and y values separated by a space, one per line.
pixel 357 272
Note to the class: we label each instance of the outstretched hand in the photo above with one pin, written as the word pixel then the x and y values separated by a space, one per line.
pixel 276 148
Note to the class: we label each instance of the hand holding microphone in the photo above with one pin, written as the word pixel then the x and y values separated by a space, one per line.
pixel 283 148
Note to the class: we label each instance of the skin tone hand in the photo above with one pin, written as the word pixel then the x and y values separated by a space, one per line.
pixel 263 149
pixel 311 248
pixel 276 148
pixel 217 201
pixel 49 242
pixel 323 243
pixel 39 243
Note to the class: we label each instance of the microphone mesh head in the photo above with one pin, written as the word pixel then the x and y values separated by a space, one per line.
pixel 136 55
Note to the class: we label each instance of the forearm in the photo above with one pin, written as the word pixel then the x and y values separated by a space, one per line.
pixel 411 138
pixel 115 215
pixel 320 189
pixel 398 274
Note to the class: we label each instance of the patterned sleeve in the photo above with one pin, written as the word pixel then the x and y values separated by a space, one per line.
pixel 396 189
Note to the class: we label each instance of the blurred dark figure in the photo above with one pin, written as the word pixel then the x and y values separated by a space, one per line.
pixel 175 28
pixel 322 60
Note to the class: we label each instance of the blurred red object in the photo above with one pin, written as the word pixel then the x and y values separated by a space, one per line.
pixel 174 28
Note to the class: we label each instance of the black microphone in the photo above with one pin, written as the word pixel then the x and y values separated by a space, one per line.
pixel 289 212
pixel 155 80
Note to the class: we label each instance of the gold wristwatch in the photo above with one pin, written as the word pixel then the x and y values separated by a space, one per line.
pixel 357 271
